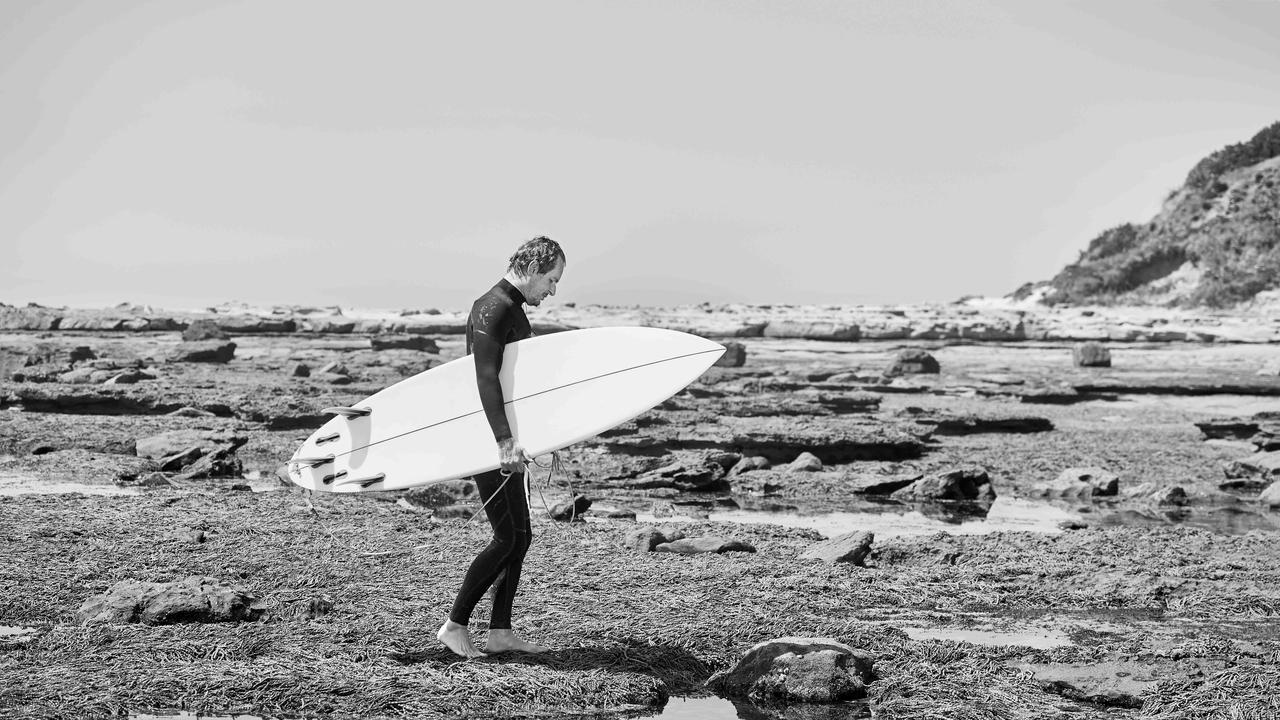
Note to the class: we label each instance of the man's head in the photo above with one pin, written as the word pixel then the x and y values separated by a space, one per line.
pixel 538 266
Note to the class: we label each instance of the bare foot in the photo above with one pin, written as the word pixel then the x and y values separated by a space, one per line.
pixel 458 639
pixel 506 641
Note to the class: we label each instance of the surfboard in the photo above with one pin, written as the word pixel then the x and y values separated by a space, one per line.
pixel 557 389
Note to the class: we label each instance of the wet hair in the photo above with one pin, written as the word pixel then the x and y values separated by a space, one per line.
pixel 536 256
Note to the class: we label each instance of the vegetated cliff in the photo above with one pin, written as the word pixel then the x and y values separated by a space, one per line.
pixel 1216 241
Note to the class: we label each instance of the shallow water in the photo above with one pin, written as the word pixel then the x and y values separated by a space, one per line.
pixel 1005 514
pixel 1033 637
pixel 18 484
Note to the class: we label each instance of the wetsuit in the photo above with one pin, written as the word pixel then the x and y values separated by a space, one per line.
pixel 496 319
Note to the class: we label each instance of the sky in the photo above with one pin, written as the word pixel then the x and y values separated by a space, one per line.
pixel 392 154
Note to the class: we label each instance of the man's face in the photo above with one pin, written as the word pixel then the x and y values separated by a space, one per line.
pixel 543 285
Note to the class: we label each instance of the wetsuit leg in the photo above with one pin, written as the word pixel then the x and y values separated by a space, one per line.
pixel 508 513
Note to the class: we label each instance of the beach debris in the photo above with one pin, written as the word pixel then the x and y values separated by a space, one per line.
pixel 210 351
pixel 1091 354
pixel 1080 483
pixel 913 361
pixel 799 669
pixel 969 483
pixel 708 544
pixel 735 355
pixel 805 462
pixel 194 599
pixel 851 547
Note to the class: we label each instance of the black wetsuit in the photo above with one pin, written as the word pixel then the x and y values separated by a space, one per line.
pixel 496 319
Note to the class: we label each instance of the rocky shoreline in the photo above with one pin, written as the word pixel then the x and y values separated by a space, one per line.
pixel 144 462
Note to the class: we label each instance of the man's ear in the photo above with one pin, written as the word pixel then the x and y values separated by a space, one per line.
pixel 531 268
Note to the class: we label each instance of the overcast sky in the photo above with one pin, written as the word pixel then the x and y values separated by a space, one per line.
pixel 393 154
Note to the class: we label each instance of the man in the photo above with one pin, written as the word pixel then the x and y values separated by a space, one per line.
pixel 496 319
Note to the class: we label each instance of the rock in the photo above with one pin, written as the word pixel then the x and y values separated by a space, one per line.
pixel 643 539
pixel 726 460
pixel 709 476
pixel 735 355
pixel 213 351
pixel 203 329
pixel 569 511
pixel 805 462
pixel 170 443
pixel 795 669
pixel 1091 354
pixel 80 353
pixel 221 463
pixel 329 325
pixel 959 484
pixel 1078 483
pixel 1256 470
pixel 455 512
pixel 1118 683
pixel 190 412
pixel 1156 494
pixel 758 484
pixel 300 370
pixel 336 368
pixel 878 484
pixel 192 599
pixel 913 361
pixel 1270 497
pixel 709 544
pixel 1228 428
pixel 181 459
pixel 852 547
pixel 404 342
pixel 437 495
pixel 747 464
pixel 129 377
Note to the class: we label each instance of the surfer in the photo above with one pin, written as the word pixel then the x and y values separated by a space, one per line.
pixel 497 318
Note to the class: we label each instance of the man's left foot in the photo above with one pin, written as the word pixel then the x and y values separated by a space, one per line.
pixel 506 641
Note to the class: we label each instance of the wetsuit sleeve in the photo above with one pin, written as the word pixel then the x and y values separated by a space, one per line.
pixel 490 323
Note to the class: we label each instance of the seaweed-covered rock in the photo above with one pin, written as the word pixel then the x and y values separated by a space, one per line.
pixel 795 669
pixel 192 599
pixel 850 547
pixel 960 484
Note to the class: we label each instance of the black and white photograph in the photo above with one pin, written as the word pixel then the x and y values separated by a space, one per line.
pixel 676 359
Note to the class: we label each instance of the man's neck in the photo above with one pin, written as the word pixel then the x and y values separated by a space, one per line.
pixel 518 283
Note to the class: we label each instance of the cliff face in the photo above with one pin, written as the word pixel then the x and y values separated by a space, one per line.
pixel 1216 241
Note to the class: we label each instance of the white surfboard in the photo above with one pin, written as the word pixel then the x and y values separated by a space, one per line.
pixel 559 389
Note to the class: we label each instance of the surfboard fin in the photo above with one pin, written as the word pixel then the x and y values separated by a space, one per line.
pixel 312 461
pixel 327 438
pixel 363 482
pixel 347 412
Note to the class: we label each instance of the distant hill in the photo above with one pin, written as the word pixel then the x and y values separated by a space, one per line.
pixel 1215 243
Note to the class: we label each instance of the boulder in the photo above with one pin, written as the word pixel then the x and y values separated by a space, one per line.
pixel 913 361
pixel 735 355
pixel 571 510
pixel 805 462
pixel 960 484
pixel 300 370
pixel 644 539
pixel 203 329
pixel 192 599
pixel 212 351
pixel 1091 354
pixel 747 464
pixel 795 669
pixel 1081 483
pixel 709 544
pixel 852 547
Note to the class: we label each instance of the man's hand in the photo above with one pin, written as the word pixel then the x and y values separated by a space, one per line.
pixel 512 456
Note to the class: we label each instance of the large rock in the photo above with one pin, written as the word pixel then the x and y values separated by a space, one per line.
pixel 967 484
pixel 735 355
pixel 805 462
pixel 212 351
pixel 850 547
pixel 1091 354
pixel 795 669
pixel 1081 483
pixel 569 511
pixel 913 361
pixel 192 599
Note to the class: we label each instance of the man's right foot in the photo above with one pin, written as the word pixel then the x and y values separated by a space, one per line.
pixel 458 639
